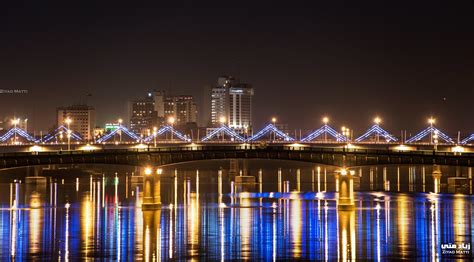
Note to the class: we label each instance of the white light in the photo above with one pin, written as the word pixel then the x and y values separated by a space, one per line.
pixel 88 147
pixel 458 149
pixel 148 171
pixel 377 120
pixel 222 119
pixel 140 146
pixel 403 148
pixel 36 148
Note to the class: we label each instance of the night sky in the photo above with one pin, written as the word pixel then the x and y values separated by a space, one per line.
pixel 349 60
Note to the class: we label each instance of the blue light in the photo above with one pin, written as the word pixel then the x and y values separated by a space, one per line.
pixel 325 129
pixel 227 130
pixel 122 128
pixel 467 139
pixel 268 129
pixel 376 129
pixel 57 131
pixel 429 130
pixel 18 131
pixel 164 130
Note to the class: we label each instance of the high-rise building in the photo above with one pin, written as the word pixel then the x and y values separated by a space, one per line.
pixel 82 119
pixel 155 109
pixel 232 101
pixel 143 116
pixel 182 108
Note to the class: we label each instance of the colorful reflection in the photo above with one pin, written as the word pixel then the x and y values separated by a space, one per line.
pixel 100 222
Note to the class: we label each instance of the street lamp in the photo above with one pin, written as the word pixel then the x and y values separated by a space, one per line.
pixel 377 121
pixel 325 121
pixel 346 132
pixel 222 120
pixel 171 121
pixel 26 125
pixel 15 121
pixel 431 121
pixel 120 121
pixel 69 140
pixel 148 171
pixel 154 135
pixel 68 123
pixel 435 138
pixel 274 133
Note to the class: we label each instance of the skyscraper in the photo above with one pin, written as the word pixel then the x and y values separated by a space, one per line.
pixel 155 109
pixel 232 100
pixel 182 108
pixel 143 114
pixel 82 119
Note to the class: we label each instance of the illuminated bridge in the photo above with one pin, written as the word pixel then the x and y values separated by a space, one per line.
pixel 159 156
pixel 224 134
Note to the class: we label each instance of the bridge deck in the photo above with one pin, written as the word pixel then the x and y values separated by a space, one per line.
pixel 177 154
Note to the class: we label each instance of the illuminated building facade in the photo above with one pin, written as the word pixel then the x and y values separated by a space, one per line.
pixel 82 119
pixel 232 101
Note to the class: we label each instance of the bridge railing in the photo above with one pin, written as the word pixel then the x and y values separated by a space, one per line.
pixel 254 147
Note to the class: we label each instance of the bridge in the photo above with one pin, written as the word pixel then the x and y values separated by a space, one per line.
pixel 224 134
pixel 174 154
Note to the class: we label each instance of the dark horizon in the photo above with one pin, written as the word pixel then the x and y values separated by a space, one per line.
pixel 349 61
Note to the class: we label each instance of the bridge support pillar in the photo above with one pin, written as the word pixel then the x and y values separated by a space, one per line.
pixel 436 178
pixel 345 184
pixel 151 189
pixel 36 191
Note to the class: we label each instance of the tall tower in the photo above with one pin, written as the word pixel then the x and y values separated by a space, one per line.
pixel 233 101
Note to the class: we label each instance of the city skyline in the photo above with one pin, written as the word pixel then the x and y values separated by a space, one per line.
pixel 246 130
pixel 349 62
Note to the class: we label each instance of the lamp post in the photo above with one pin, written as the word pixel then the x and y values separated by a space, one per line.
pixel 154 136
pixel 325 121
pixel 435 140
pixel 274 120
pixel 15 121
pixel 68 123
pixel 171 121
pixel 346 132
pixel 26 125
pixel 431 121
pixel 120 121
pixel 222 120
pixel 377 121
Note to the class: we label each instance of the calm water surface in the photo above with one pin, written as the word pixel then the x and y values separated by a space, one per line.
pixel 100 218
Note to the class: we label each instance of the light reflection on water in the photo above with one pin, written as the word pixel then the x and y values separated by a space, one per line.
pixel 103 219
